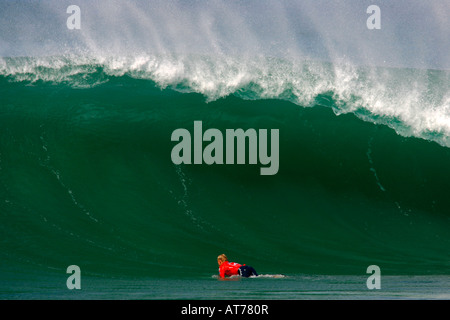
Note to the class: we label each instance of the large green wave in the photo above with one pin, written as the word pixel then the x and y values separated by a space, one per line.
pixel 86 178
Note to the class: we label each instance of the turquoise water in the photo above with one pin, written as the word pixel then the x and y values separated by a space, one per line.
pixel 87 179
pixel 293 287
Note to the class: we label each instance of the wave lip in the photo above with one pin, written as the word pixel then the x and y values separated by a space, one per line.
pixel 413 102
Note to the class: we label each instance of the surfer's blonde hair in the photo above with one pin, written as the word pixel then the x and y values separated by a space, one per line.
pixel 222 257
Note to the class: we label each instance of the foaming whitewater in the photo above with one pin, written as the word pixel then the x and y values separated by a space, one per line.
pixel 413 102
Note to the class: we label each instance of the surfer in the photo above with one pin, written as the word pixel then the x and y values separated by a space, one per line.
pixel 232 268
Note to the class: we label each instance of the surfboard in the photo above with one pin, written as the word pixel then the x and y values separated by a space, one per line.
pixel 275 276
pixel 235 277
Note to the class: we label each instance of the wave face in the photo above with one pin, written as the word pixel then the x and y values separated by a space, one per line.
pixel 86 119
pixel 87 178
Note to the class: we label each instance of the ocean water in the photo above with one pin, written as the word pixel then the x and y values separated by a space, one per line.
pixel 87 179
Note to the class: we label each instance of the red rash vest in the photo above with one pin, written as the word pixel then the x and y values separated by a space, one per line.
pixel 229 269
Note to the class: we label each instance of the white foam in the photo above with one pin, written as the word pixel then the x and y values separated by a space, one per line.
pixel 413 102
